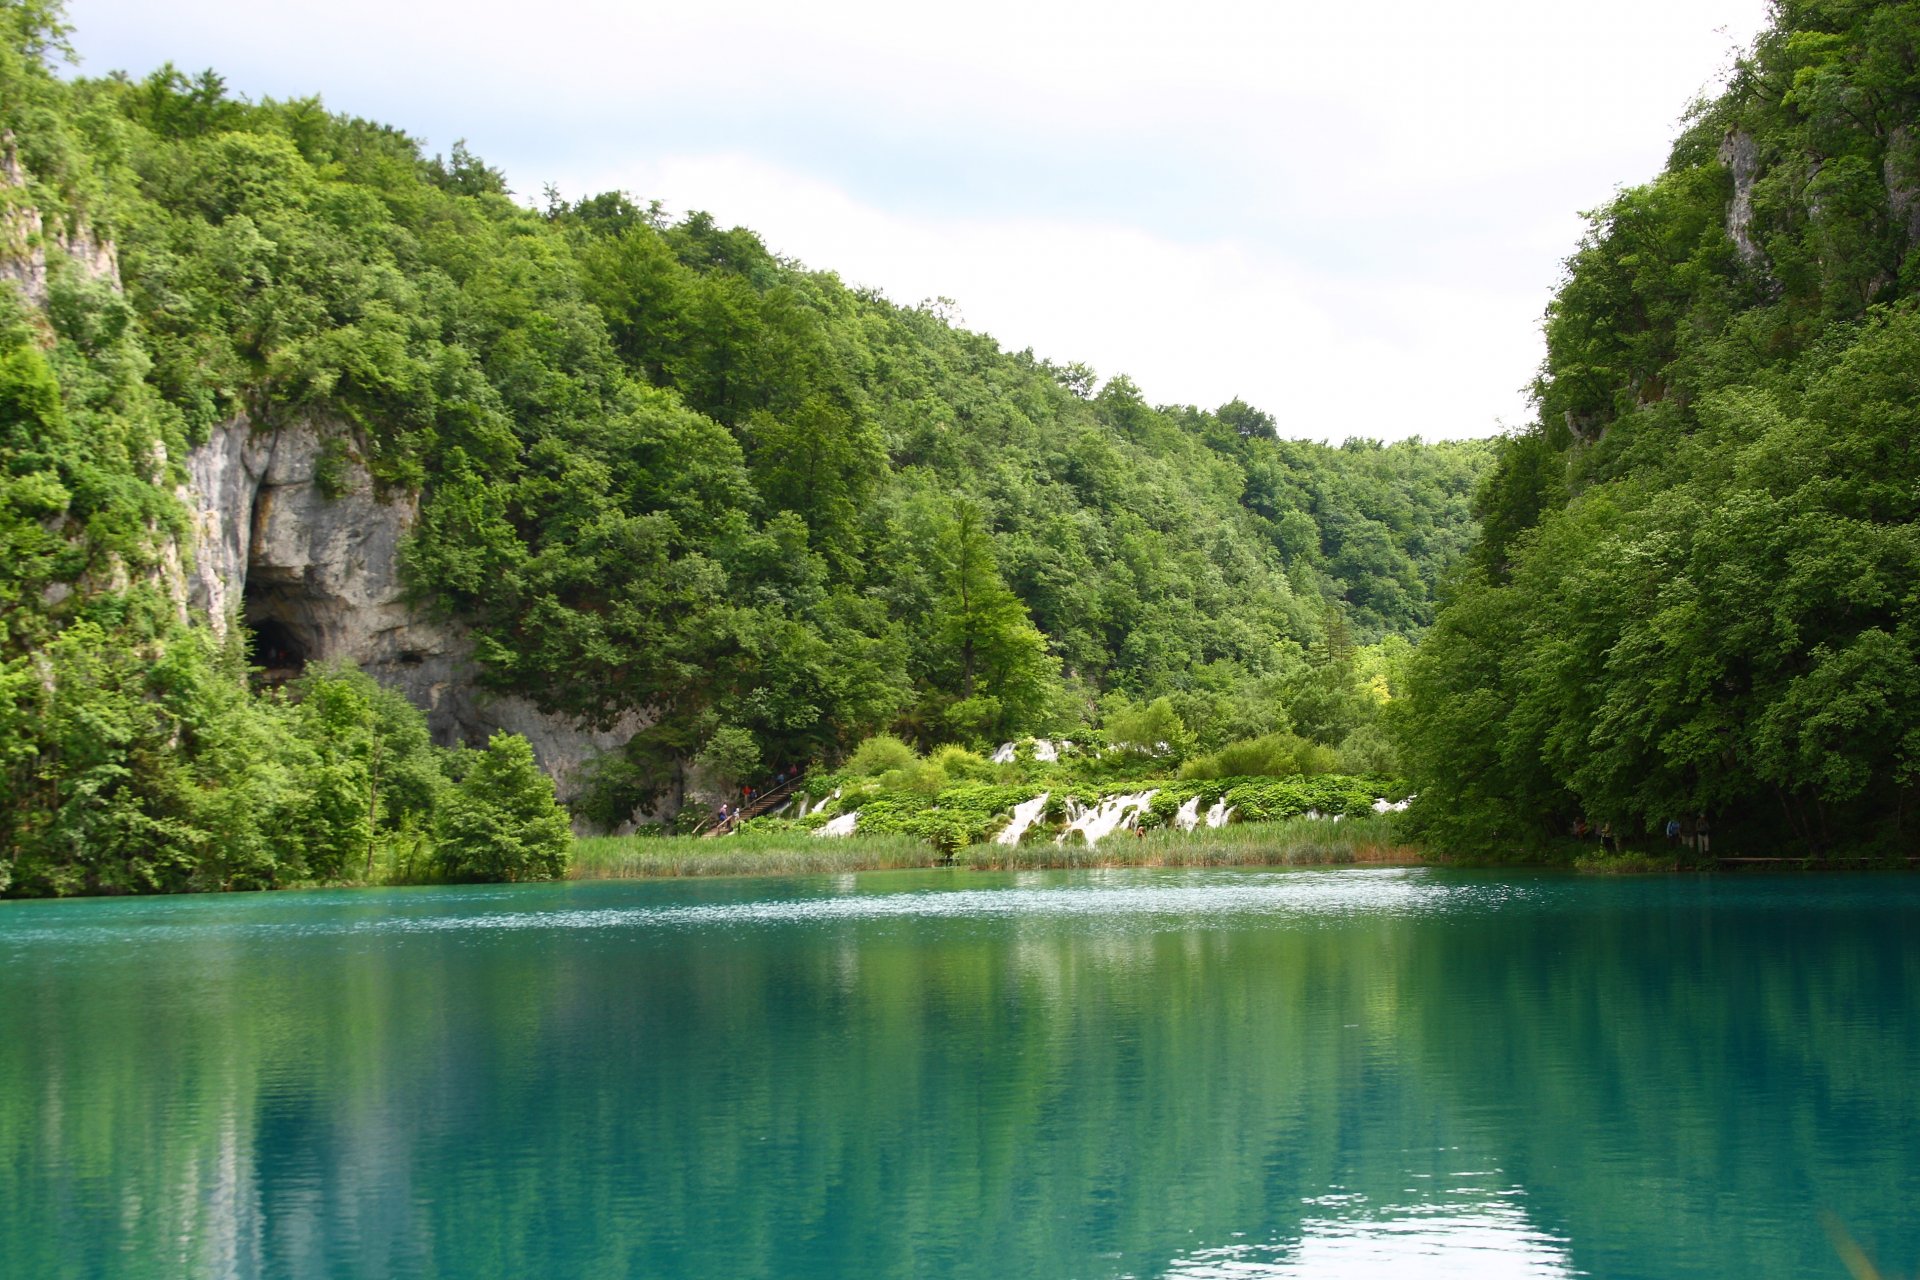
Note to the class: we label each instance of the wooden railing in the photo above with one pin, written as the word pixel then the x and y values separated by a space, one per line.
pixel 759 805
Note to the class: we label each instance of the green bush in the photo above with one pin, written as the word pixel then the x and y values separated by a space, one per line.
pixel 1263 800
pixel 500 821
pixel 882 753
pixel 958 764
pixel 1275 755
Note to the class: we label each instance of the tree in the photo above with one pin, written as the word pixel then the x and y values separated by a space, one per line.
pixel 999 669
pixel 730 755
pixel 501 821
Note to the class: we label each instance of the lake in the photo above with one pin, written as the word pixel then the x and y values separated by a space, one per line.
pixel 1066 1076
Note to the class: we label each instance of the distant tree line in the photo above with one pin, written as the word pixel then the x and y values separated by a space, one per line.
pixel 660 468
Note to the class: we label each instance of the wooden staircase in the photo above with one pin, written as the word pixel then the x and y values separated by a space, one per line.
pixel 761 804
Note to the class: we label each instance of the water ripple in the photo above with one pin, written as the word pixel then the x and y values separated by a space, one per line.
pixel 1192 900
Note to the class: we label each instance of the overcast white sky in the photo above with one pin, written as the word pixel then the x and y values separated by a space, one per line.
pixel 1350 215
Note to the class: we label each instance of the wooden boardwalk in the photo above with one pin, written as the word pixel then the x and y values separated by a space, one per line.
pixel 761 804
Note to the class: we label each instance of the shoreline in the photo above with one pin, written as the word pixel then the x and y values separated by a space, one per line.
pixel 1290 843
pixel 1296 842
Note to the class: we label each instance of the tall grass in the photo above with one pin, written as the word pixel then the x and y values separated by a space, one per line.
pixel 746 854
pixel 1289 842
pixel 1294 842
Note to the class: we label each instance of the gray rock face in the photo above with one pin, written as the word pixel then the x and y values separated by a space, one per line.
pixel 1741 156
pixel 315 570
pixel 313 567
pixel 25 239
pixel 1901 171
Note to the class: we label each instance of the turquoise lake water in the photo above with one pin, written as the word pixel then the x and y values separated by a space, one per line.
pixel 1067 1076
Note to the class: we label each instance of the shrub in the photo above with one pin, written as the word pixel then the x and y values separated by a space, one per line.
pixel 960 764
pixel 882 753
pixel 1151 729
pixel 1262 800
pixel 919 776
pixel 1368 751
pixel 1274 755
pixel 501 821
pixel 730 755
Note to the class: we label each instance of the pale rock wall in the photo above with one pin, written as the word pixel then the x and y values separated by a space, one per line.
pixel 25 238
pixel 1901 172
pixel 270 543
pixel 1741 156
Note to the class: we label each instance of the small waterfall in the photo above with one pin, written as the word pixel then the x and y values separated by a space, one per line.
pixel 1024 816
pixel 1100 821
pixel 1189 815
pixel 1383 806
pixel 840 826
pixel 1003 756
pixel 1217 815
pixel 1044 751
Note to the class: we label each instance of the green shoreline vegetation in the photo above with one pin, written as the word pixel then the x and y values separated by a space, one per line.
pixel 1697 590
pixel 659 470
pixel 790 525
pixel 1290 842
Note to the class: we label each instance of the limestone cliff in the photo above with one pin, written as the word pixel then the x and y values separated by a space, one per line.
pixel 26 237
pixel 291 537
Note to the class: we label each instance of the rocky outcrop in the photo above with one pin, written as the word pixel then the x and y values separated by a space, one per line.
pixel 1901 172
pixel 25 237
pixel 1741 157
pixel 292 538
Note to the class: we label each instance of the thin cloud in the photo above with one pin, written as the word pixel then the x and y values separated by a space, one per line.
pixel 1352 215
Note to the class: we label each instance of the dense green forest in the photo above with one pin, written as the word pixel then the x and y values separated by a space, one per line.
pixel 660 469
pixel 1698 590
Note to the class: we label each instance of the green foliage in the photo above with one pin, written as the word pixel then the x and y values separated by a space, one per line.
pixel 659 470
pixel 882 753
pixel 1697 590
pixel 1149 729
pixel 1329 794
pixel 949 820
pixel 1276 755
pixel 137 761
pixel 730 755
pixel 500 821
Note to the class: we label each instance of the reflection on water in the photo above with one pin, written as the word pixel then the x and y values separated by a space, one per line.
pixel 1488 1240
pixel 1113 1074
pixel 1105 896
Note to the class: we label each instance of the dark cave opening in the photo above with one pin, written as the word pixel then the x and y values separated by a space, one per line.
pixel 279 650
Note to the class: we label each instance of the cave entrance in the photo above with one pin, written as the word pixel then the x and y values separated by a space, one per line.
pixel 280 648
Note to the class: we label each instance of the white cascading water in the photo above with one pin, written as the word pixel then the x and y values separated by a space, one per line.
pixel 1188 816
pixel 1044 751
pixel 840 826
pixel 1024 816
pixel 1383 806
pixel 1003 756
pixel 1217 816
pixel 1100 821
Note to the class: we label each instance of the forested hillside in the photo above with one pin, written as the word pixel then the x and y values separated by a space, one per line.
pixel 659 470
pixel 1699 587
